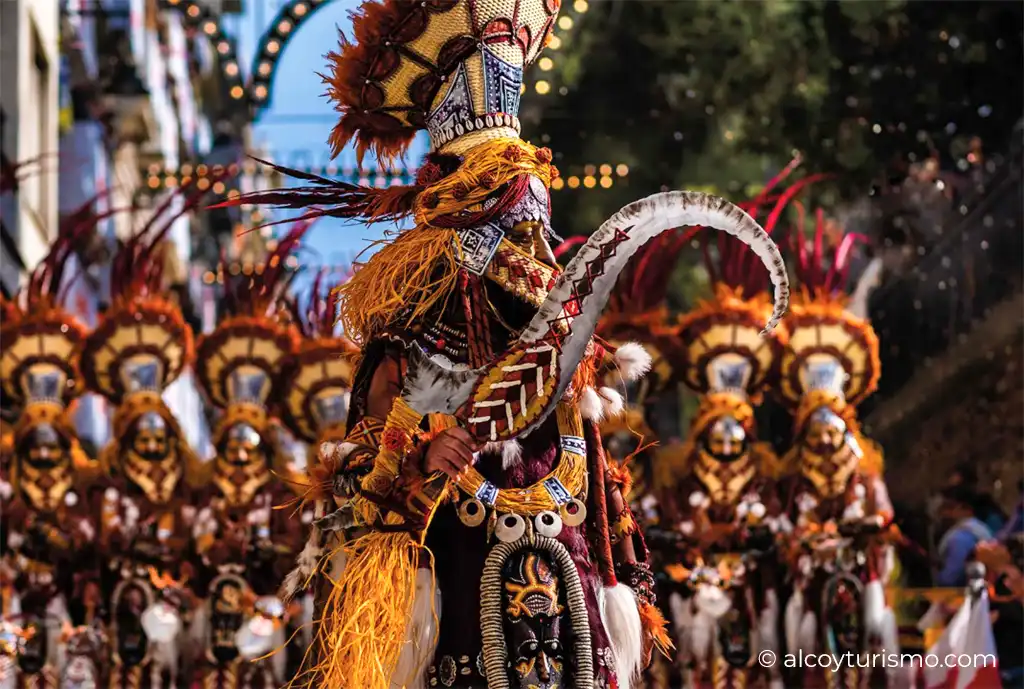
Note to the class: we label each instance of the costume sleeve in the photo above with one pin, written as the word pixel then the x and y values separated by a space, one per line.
pixel 379 467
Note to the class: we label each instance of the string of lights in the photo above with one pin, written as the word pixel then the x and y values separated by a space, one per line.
pixel 594 176
pixel 542 83
pixel 590 176
pixel 271 46
pixel 199 19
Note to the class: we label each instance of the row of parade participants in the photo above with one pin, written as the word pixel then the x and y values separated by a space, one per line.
pixel 149 566
pixel 146 566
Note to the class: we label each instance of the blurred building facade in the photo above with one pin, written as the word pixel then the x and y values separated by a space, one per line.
pixel 29 81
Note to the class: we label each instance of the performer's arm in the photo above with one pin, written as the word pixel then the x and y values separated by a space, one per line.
pixel 390 459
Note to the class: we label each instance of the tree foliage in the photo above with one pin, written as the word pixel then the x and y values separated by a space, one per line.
pixel 718 94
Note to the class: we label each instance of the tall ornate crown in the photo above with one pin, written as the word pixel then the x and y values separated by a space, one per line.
pixel 831 352
pixel 239 363
pixel 452 67
pixel 318 377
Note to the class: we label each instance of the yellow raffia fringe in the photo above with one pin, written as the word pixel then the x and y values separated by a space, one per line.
pixel 363 625
pixel 484 168
pixel 418 269
pixel 363 628
pixel 402 423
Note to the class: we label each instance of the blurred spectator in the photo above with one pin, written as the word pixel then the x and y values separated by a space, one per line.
pixel 965 531
pixel 1014 527
pixel 985 508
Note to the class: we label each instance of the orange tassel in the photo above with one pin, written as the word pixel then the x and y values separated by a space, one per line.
pixel 655 624
pixel 618 473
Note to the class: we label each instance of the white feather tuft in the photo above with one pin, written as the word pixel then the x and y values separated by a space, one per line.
pixel 510 451
pixel 511 454
pixel 591 408
pixel 420 636
pixel 305 565
pixel 620 616
pixel 611 401
pixel 633 360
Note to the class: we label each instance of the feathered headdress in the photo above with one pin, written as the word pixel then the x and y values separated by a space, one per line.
pixel 318 376
pixel 39 338
pixel 831 352
pixel 40 341
pixel 239 363
pixel 142 343
pixel 636 310
pixel 455 69
pixel 721 346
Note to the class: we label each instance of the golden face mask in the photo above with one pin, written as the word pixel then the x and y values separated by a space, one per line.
pixel 151 460
pixel 726 440
pixel 241 467
pixel 830 451
pixel 45 475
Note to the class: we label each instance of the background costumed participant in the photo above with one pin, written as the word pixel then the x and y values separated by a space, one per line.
pixel 637 313
pixel 719 491
pixel 47 531
pixel 140 346
pixel 240 538
pixel 836 497
pixel 471 335
pixel 317 382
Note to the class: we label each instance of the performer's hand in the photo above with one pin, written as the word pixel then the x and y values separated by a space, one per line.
pixel 451 451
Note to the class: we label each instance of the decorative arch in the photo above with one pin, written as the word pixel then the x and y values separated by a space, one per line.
pixel 271 46
pixel 198 18
pixel 295 13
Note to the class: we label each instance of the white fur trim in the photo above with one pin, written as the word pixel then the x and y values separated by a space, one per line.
pixel 874 609
pixel 611 402
pixel 420 635
pixel 681 615
pixel 305 564
pixel 591 408
pixel 620 616
pixel 511 452
pixel 767 628
pixel 633 360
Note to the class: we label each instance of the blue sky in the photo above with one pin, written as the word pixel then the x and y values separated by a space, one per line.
pixel 300 118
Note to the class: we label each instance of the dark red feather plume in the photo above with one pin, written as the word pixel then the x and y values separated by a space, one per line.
pixel 264 293
pixel 332 198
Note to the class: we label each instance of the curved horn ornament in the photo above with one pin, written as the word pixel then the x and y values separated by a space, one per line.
pixel 514 394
